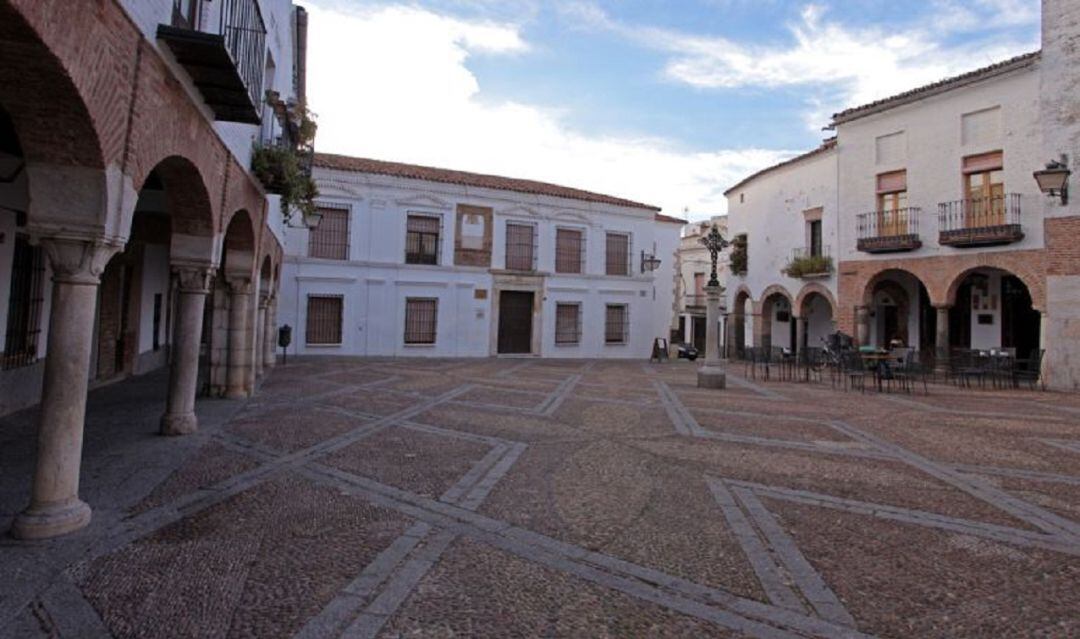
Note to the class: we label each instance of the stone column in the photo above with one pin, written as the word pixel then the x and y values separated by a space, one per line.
pixel 941 339
pixel 800 337
pixel 55 507
pixel 711 374
pixel 260 334
pixel 1045 373
pixel 179 417
pixel 270 334
pixel 239 362
pixel 862 325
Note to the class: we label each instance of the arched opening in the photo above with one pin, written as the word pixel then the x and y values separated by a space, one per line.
pixel 231 317
pixel 992 309
pixel 172 224
pixel 899 312
pixel 777 322
pixel 819 321
pixel 742 323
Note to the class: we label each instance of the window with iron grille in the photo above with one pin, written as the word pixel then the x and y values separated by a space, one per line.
pixel 421 320
pixel 520 246
pixel 618 254
pixel 324 319
pixel 24 305
pixel 569 250
pixel 616 323
pixel 567 323
pixel 422 236
pixel 330 239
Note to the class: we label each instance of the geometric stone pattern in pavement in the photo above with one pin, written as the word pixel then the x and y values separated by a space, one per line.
pixel 384 498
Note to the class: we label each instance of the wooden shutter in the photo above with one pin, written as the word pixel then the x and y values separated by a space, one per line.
pixel 330 239
pixel 615 324
pixel 520 242
pixel 567 323
pixel 421 320
pixel 618 254
pixel 892 182
pixel 568 250
pixel 324 319
pixel 984 162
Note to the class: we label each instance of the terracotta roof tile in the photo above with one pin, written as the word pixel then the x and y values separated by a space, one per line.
pixel 450 176
pixel 825 146
pixel 667 218
pixel 940 86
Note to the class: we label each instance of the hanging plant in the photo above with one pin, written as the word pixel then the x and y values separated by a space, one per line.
pixel 280 171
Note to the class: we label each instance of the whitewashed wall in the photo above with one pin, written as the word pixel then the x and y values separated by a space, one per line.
pixel 375 281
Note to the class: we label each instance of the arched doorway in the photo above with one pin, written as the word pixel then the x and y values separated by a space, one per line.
pixel 777 320
pixel 993 309
pixel 232 363
pixel 741 323
pixel 817 312
pixel 899 312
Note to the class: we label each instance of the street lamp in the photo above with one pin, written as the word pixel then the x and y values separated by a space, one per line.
pixel 1054 179
pixel 649 262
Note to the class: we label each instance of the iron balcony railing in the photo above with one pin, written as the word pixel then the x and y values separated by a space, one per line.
pixel 877 224
pixel 980 221
pixel 810 262
pixel 244 31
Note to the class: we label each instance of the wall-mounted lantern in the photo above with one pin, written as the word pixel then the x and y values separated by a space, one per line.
pixel 649 262
pixel 1054 179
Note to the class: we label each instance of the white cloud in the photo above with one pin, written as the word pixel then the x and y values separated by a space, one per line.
pixel 840 65
pixel 392 83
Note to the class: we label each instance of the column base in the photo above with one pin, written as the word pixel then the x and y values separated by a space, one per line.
pixel 179 424
pixel 52 520
pixel 711 377
pixel 236 393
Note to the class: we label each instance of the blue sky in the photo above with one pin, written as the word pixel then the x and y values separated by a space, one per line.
pixel 664 102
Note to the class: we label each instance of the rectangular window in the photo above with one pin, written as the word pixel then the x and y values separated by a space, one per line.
pixel 520 247
pixel 422 239
pixel 699 286
pixel 24 304
pixel 330 239
pixel 569 251
pixel 814 231
pixel 324 320
pixel 421 320
pixel 891 198
pixel 984 189
pixel 618 254
pixel 616 323
pixel 567 323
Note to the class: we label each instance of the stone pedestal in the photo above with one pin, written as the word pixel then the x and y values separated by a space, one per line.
pixel 239 363
pixel 55 507
pixel 179 417
pixel 711 374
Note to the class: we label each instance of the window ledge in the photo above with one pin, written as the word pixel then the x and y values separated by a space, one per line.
pixel 432 345
pixel 337 345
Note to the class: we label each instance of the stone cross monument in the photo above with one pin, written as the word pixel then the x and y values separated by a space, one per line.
pixel 711 374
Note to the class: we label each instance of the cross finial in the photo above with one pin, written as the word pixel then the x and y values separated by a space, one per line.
pixel 714 242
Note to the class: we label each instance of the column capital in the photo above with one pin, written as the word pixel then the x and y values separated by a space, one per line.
pixel 264 300
pixel 194 279
pixel 79 261
pixel 942 307
pixel 239 284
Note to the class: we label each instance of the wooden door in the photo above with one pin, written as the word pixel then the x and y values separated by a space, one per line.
pixel 515 322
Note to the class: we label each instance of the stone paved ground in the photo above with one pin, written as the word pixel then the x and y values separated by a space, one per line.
pixel 520 498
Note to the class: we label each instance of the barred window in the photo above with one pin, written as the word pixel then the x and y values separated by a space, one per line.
pixel 24 305
pixel 421 320
pixel 323 319
pixel 520 246
pixel 330 239
pixel 616 324
pixel 567 323
pixel 569 251
pixel 422 239
pixel 618 254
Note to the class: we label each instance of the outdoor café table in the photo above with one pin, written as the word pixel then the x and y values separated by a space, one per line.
pixel 878 361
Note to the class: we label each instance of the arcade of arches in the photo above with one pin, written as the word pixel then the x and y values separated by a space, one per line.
pixel 118 219
pixel 777 319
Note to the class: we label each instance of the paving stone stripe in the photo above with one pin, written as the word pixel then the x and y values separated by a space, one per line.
pixel 807 580
pixel 930 408
pixel 682 595
pixel 1031 513
pixel 70 613
pixel 684 422
pixel 768 572
pixel 1064 444
pixel 558 396
pixel 757 388
pixel 993 532
pixel 515 369
pixel 1019 473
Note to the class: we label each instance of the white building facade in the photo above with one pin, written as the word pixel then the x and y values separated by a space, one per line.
pixel 414 261
pixel 694 267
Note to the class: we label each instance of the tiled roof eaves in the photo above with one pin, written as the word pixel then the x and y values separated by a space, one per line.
pixel 827 145
pixel 669 219
pixel 465 178
pixel 936 88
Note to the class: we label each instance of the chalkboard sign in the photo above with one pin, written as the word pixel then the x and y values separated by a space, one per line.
pixel 659 349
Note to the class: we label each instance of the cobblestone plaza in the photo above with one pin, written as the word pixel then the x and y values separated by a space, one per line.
pixel 524 497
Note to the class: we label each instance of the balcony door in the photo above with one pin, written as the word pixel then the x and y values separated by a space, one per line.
pixel 892 203
pixel 984 190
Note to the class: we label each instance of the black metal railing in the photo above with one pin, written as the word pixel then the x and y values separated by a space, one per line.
pixel 893 223
pixel 979 213
pixel 810 262
pixel 244 31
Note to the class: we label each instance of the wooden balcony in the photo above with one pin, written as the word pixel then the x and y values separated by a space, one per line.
pixel 991 221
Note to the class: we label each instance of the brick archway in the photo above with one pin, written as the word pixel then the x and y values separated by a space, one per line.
pixel 776 289
pixel 807 292
pixel 1033 283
